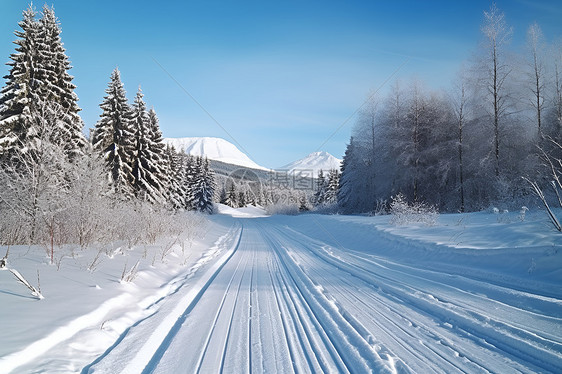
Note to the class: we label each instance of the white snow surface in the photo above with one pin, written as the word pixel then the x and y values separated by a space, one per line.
pixel 313 163
pixel 475 293
pixel 215 149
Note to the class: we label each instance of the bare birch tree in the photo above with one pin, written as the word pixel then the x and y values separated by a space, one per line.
pixel 497 35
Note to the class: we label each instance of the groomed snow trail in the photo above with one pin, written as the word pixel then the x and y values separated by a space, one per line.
pixel 285 302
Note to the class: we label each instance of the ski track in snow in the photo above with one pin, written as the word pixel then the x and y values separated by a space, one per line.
pixel 284 302
pixel 270 298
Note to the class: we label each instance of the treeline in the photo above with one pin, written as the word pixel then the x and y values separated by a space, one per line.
pixel 57 186
pixel 468 148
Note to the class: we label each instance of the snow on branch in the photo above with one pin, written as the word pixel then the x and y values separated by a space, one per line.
pixel 4 266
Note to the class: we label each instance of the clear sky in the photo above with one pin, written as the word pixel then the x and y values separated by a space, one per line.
pixel 279 77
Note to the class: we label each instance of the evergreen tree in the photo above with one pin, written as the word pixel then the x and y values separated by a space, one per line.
pixel 55 84
pixel 38 83
pixel 17 96
pixel 350 169
pixel 331 196
pixel 157 148
pixel 320 194
pixel 113 136
pixel 146 172
pixel 241 199
pixel 190 166
pixel 204 187
pixel 177 190
pixel 303 206
pixel 231 198
pixel 223 197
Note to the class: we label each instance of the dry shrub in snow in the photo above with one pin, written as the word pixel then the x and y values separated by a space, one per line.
pixel 65 205
pixel 403 213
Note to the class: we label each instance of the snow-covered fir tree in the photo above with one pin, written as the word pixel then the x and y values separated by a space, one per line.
pixel 231 196
pixel 349 170
pixel 242 200
pixel 303 205
pixel 177 188
pixel 223 196
pixel 191 177
pixel 147 160
pixel 321 185
pixel 332 186
pixel 113 136
pixel 204 186
pixel 17 96
pixel 56 84
pixel 38 82
pixel 157 148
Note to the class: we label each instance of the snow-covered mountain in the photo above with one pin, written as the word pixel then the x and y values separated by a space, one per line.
pixel 314 162
pixel 215 149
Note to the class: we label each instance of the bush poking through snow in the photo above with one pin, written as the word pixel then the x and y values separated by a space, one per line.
pixel 34 291
pixel 131 274
pixel 403 213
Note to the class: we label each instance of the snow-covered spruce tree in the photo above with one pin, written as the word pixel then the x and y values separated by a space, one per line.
pixel 232 197
pixel 332 186
pixel 348 197
pixel 223 196
pixel 56 84
pixel 189 163
pixel 177 189
pixel 113 137
pixel 147 172
pixel 39 80
pixel 242 199
pixel 204 186
pixel 19 95
pixel 320 194
pixel 157 147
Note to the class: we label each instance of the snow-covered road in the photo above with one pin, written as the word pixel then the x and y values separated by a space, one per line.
pixel 285 300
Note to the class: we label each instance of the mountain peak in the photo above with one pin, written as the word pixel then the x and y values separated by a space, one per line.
pixel 216 149
pixel 313 163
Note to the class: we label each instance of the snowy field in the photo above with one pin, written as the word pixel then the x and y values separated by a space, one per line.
pixel 475 293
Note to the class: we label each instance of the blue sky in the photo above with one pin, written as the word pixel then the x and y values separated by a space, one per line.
pixel 279 77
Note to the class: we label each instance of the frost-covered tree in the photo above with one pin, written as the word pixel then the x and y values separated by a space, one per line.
pixel 231 196
pixel 35 181
pixel 332 187
pixel 19 95
pixel 146 168
pixel 203 187
pixel 177 188
pixel 321 185
pixel 113 136
pixel 349 198
pixel 157 148
pixel 460 101
pixel 536 73
pixel 497 71
pixel 242 199
pixel 56 84
pixel 39 79
pixel 192 175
